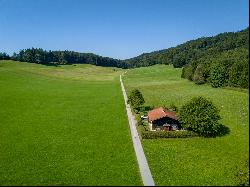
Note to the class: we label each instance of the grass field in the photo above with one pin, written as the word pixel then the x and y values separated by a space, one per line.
pixel 194 161
pixel 64 125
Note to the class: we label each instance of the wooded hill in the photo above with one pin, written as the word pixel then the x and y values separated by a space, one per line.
pixel 221 60
pixel 40 56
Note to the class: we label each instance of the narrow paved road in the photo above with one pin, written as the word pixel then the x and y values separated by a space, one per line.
pixel 141 159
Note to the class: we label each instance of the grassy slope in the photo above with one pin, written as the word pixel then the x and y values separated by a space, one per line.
pixel 63 125
pixel 196 161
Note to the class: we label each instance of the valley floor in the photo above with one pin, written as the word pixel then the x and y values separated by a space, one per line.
pixel 67 125
pixel 193 161
pixel 64 125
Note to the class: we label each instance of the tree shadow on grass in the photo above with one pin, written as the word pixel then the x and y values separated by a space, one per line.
pixel 221 130
pixel 50 64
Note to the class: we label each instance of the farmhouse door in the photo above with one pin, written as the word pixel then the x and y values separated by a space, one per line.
pixel 167 128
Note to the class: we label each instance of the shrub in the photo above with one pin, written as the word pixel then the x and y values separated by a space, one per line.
pixel 167 134
pixel 219 74
pixel 198 77
pixel 143 109
pixel 172 107
pixel 142 125
pixel 137 117
pixel 188 71
pixel 140 122
pixel 201 116
pixel 136 99
pixel 239 74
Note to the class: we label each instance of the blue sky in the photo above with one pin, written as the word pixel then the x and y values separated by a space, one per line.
pixel 115 28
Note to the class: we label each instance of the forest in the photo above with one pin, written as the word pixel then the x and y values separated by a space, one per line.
pixel 220 60
pixel 40 56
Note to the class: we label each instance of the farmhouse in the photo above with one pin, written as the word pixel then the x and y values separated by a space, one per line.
pixel 162 119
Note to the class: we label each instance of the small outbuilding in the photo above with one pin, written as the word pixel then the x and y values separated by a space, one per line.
pixel 162 119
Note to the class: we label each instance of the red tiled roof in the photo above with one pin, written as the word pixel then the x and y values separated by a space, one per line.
pixel 159 113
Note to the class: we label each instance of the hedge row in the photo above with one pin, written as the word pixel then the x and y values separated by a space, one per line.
pixel 167 134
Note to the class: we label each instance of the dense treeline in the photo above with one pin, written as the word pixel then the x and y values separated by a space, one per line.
pixel 41 56
pixel 221 60
pixel 229 68
pixel 193 50
pixel 4 56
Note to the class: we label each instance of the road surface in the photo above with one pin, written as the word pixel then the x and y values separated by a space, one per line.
pixel 141 159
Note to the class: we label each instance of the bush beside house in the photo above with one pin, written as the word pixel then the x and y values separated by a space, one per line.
pixel 167 134
pixel 201 116
pixel 136 100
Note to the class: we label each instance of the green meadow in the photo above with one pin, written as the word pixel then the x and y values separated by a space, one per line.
pixel 64 125
pixel 193 161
